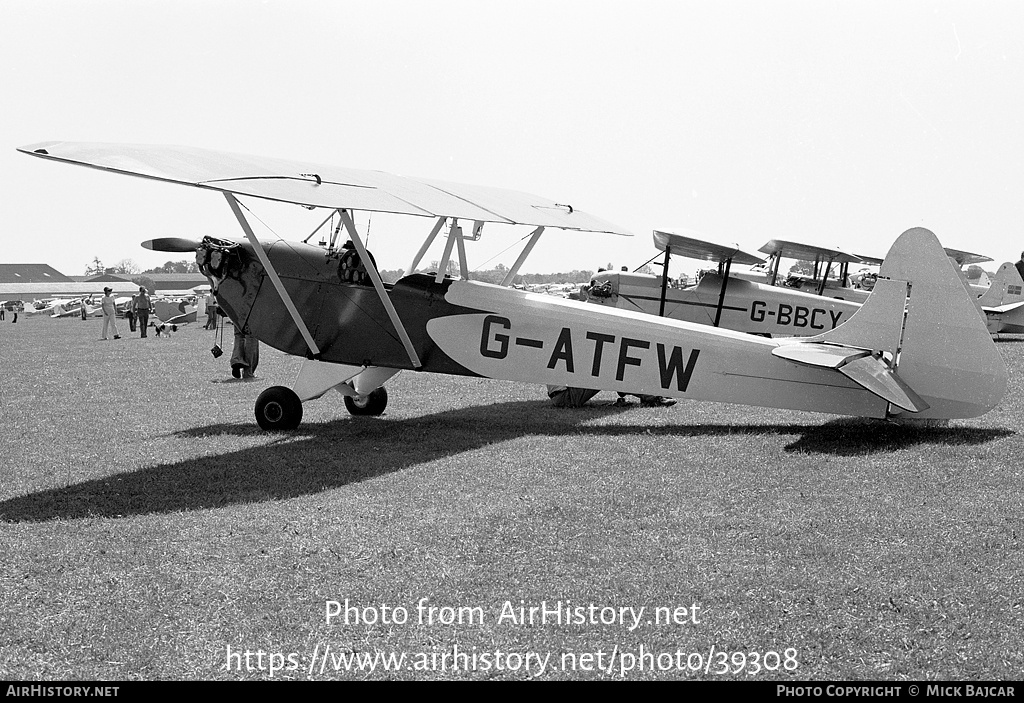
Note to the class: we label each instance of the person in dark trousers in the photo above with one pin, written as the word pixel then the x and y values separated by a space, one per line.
pixel 211 312
pixel 245 357
pixel 129 314
pixel 143 305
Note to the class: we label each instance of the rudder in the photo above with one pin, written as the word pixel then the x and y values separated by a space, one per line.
pixel 947 355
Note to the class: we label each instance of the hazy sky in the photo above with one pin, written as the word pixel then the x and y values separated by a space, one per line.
pixel 838 123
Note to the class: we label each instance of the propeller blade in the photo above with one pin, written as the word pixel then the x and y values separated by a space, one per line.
pixel 179 244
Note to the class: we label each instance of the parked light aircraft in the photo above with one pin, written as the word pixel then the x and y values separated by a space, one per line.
pixel 48 306
pixel 73 308
pixel 922 355
pixel 719 299
pixel 738 304
pixel 1003 301
pixel 830 277
pixel 1000 297
pixel 174 312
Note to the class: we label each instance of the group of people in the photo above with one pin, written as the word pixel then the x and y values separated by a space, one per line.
pixel 138 311
pixel 245 356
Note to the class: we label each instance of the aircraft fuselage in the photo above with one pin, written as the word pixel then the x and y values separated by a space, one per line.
pixel 478 329
pixel 754 308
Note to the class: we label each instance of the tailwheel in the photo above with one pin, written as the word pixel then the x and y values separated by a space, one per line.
pixel 371 404
pixel 278 408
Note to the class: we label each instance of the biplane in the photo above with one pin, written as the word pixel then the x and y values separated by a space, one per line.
pixel 830 276
pixel 718 299
pixel 912 350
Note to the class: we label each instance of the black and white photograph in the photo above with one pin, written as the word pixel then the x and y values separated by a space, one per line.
pixel 460 340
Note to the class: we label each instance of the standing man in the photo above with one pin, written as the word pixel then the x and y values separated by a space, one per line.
pixel 109 314
pixel 245 356
pixel 129 313
pixel 142 307
pixel 82 308
pixel 211 312
pixel 1020 265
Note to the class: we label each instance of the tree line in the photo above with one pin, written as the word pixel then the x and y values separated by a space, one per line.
pixel 127 267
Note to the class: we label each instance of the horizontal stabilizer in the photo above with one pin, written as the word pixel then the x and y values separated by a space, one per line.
pixel 873 374
pixel 862 367
pixel 1004 308
pixel 828 356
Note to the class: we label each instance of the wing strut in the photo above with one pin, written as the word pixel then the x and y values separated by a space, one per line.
pixel 426 245
pixel 775 270
pixel 824 277
pixel 378 285
pixel 721 295
pixel 454 232
pixel 522 257
pixel 326 219
pixel 314 350
pixel 664 280
pixel 463 264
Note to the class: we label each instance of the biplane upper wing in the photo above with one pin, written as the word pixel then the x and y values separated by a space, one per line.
pixel 965 258
pixel 962 258
pixel 694 245
pixel 810 252
pixel 315 185
pixel 870 260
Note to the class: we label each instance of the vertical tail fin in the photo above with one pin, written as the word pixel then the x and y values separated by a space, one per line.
pixel 942 348
pixel 1007 287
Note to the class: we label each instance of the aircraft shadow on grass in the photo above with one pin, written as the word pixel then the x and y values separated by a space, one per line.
pixel 350 450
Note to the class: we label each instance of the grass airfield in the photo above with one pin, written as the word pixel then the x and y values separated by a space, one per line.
pixel 150 530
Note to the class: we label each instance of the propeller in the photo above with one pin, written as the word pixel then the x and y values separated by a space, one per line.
pixel 179 244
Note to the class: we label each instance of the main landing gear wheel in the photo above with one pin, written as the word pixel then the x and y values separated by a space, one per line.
pixel 371 404
pixel 278 408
